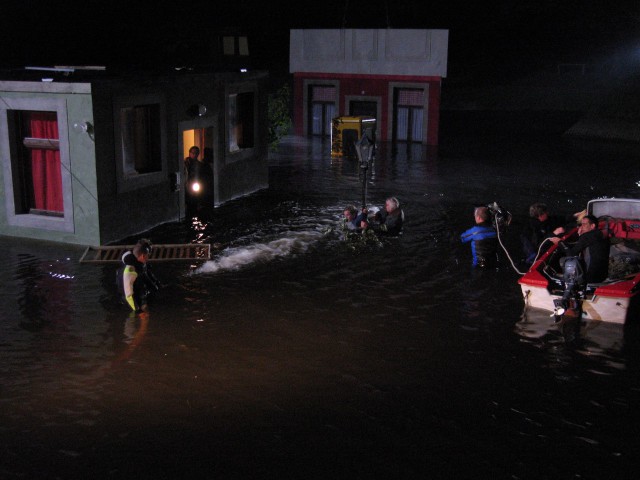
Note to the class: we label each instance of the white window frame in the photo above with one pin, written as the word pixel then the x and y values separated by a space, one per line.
pixel 391 122
pixel 307 84
pixel 30 220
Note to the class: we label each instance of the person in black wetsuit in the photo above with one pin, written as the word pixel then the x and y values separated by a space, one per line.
pixel 134 278
pixel 592 247
pixel 483 238
pixel 540 227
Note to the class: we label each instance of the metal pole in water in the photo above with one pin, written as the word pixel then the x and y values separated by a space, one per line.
pixel 364 184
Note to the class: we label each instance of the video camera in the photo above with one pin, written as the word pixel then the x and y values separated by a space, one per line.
pixel 500 217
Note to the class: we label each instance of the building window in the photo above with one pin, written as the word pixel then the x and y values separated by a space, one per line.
pixel 409 114
pixel 229 45
pixel 37 177
pixel 243 46
pixel 38 189
pixel 322 109
pixel 140 139
pixel 140 135
pixel 241 116
pixel 232 46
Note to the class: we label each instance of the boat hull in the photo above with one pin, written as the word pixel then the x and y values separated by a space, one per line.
pixel 617 299
pixel 599 307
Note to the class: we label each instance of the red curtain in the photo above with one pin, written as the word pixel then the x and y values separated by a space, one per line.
pixel 45 164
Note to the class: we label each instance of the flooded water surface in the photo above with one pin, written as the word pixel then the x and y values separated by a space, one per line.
pixel 295 354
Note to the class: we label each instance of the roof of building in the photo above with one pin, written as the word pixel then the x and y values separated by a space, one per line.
pixel 96 73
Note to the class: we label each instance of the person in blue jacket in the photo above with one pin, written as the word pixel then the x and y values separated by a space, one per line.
pixel 483 238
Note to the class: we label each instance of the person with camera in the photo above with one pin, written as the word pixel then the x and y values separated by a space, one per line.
pixel 483 238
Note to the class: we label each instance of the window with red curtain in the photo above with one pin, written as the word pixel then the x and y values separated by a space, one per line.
pixel 43 162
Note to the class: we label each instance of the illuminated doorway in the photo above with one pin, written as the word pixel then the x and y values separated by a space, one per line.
pixel 203 138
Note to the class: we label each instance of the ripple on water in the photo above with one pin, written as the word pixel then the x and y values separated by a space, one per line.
pixel 286 328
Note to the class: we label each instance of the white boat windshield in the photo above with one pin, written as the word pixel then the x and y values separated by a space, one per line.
pixel 626 208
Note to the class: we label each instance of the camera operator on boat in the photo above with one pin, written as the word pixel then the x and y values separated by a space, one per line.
pixel 593 248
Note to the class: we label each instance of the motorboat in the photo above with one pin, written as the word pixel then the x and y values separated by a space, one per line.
pixel 561 290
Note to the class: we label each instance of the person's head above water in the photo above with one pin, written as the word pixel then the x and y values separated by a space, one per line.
pixel 391 204
pixel 142 250
pixel 350 212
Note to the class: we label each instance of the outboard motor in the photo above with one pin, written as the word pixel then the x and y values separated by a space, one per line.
pixel 574 281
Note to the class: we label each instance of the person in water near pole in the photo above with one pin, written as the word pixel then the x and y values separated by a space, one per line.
pixel 352 218
pixel 483 238
pixel 389 221
pixel 134 278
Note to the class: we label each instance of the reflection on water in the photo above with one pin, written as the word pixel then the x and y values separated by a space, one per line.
pixel 596 340
pixel 290 355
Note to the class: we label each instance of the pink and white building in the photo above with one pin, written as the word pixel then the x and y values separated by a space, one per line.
pixel 394 75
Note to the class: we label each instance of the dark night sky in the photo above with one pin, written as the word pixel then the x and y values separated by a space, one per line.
pixel 495 36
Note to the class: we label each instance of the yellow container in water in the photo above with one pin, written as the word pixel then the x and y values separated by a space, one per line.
pixel 346 131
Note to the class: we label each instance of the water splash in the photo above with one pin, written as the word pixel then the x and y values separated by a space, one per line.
pixel 237 257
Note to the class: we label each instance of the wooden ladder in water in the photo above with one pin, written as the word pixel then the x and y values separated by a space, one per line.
pixel 159 253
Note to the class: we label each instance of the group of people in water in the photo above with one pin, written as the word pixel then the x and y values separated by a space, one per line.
pixel 387 221
pixel 541 231
pixel 135 279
